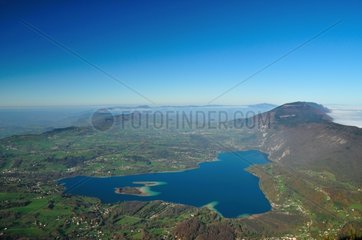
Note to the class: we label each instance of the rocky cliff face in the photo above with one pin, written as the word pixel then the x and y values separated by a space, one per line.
pixel 301 135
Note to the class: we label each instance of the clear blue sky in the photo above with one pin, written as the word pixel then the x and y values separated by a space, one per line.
pixel 180 52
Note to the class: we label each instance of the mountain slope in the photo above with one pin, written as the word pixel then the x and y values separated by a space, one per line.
pixel 302 135
pixel 314 181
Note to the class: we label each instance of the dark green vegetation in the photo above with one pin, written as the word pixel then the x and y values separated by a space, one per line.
pixel 313 182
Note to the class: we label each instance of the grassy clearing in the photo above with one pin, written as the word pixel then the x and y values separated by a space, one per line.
pixel 128 220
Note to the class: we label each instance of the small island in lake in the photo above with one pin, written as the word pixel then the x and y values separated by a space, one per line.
pixel 143 191
pixel 137 191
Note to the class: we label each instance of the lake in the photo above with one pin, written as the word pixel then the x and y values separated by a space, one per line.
pixel 223 185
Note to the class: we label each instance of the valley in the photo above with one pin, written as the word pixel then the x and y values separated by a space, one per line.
pixel 312 183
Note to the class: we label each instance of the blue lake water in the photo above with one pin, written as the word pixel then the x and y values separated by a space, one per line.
pixel 225 184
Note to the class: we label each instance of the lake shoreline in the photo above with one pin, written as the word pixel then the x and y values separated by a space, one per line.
pixel 233 160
